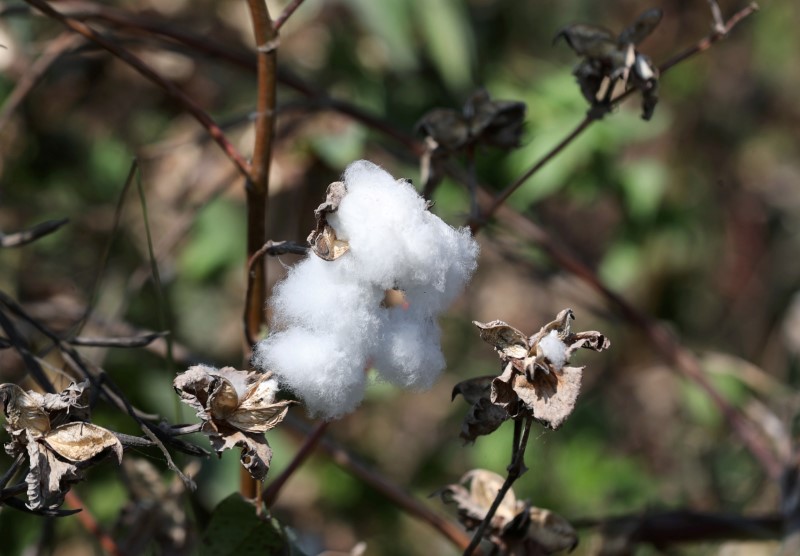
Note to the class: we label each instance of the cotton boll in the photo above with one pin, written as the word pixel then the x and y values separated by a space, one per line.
pixel 329 315
pixel 554 350
pixel 322 369
pixel 408 351
pixel 316 296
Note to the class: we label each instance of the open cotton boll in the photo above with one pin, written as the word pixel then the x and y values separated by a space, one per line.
pixel 554 350
pixel 374 234
pixel 408 352
pixel 317 297
pixel 323 369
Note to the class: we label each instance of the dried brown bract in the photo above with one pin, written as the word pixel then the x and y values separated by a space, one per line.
pixel 608 60
pixel 496 123
pixel 323 240
pixel 237 408
pixel 516 528
pixel 536 380
pixel 60 444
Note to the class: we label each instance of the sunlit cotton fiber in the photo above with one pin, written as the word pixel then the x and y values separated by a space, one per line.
pixel 329 323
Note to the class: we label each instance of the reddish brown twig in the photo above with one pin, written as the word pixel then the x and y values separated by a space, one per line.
pixel 257 188
pixel 286 14
pixel 90 524
pixel 170 88
pixel 381 484
pixel 305 451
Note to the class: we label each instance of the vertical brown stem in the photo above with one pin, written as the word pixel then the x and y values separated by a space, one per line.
pixel 258 186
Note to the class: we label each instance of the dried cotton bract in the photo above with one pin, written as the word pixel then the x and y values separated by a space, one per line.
pixel 237 408
pixel 374 234
pixel 53 430
pixel 516 528
pixel 536 380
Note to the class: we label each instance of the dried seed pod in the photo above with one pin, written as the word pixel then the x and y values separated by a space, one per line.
pixel 591 41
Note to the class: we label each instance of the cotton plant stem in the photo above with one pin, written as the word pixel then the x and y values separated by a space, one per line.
pixel 146 71
pixel 286 14
pixel 515 470
pixel 89 523
pixel 593 116
pixel 257 190
pixel 271 492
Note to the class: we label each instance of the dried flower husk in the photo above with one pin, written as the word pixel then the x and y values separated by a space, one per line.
pixel 536 380
pixel 237 408
pixel 322 239
pixel 608 60
pixel 51 430
pixel 517 527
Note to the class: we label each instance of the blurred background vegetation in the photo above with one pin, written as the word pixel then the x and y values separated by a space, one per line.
pixel 692 216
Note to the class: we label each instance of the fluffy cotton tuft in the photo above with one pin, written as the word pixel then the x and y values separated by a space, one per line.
pixel 328 315
pixel 554 350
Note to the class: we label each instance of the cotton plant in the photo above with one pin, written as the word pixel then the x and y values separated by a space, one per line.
pixel 374 234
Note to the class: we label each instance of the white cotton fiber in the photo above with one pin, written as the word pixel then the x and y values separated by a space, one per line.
pixel 554 350
pixel 322 369
pixel 328 320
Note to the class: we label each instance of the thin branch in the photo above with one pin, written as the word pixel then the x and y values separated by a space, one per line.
pixel 91 525
pixel 381 484
pixel 310 443
pixel 515 471
pixel 170 88
pixel 54 50
pixel 286 14
pixel 18 239
pixel 595 115
pixel 133 342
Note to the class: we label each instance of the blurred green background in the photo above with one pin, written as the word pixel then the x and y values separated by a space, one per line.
pixel 692 216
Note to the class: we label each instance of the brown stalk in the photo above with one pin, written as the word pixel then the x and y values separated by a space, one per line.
pixel 271 492
pixel 386 487
pixel 257 189
pixel 89 523
pixel 170 88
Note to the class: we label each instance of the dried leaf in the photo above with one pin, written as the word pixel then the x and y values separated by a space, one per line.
pixel 640 29
pixel 509 342
pixel 323 239
pixel 49 477
pixel 193 387
pixel 448 128
pixel 22 410
pixel 551 531
pixel 326 246
pixel 498 123
pixel 591 41
pixel 256 453
pixel 473 389
pixel 550 397
pixel 79 442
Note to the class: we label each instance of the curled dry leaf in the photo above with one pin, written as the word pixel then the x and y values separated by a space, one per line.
pixel 608 60
pixel 536 380
pixel 237 408
pixel 517 528
pixel 322 239
pixel 50 429
pixel 496 123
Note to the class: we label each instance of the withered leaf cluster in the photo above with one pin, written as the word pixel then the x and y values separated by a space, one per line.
pixel 237 408
pixel 516 528
pixel 495 123
pixel 536 380
pixel 323 240
pixel 608 60
pixel 53 430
